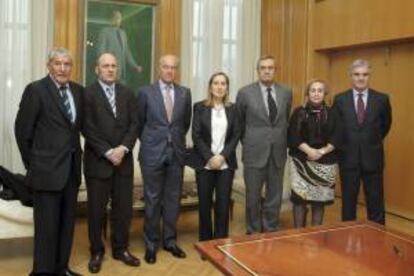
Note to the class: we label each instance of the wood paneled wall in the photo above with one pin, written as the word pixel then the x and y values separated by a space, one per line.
pixel 342 23
pixel 321 38
pixel 69 24
pixel 284 29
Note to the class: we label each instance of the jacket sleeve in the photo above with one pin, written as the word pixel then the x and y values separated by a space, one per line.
pixel 197 134
pixel 131 135
pixel 94 137
pixel 386 117
pixel 231 144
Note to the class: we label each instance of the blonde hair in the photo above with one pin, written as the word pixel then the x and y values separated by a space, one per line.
pixel 209 101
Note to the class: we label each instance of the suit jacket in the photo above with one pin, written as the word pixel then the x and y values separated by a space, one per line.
pixel 103 130
pixel 260 137
pixel 362 145
pixel 154 129
pixel 201 132
pixel 46 137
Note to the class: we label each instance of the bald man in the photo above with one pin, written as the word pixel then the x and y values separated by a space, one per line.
pixel 110 130
pixel 164 109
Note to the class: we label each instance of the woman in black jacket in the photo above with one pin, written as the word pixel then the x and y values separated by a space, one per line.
pixel 314 134
pixel 215 132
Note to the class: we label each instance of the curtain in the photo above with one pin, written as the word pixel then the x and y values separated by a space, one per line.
pixel 25 33
pixel 219 35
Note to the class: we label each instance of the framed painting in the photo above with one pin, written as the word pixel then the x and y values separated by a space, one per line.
pixel 125 29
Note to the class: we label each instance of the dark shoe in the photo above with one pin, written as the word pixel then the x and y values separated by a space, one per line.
pixel 127 258
pixel 68 272
pixel 150 256
pixel 176 251
pixel 95 263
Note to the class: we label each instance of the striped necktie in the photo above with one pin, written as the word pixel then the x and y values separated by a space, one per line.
pixel 66 103
pixel 111 98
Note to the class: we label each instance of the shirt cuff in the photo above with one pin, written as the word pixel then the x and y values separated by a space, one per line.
pixel 108 153
pixel 124 148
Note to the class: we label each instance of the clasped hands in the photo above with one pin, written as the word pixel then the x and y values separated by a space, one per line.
pixel 116 155
pixel 216 162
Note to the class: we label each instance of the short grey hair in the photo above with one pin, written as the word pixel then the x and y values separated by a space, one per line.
pixel 358 63
pixel 58 51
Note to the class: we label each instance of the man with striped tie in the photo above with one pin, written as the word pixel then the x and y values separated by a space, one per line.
pixel 110 130
pixel 47 133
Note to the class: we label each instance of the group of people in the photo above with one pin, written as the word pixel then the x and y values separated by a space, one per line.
pixel 54 111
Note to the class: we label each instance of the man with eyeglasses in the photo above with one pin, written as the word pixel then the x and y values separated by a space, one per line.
pixel 164 109
pixel 263 108
pixel 47 133
pixel 365 115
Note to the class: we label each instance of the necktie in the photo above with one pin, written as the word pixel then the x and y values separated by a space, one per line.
pixel 111 98
pixel 168 102
pixel 360 109
pixel 65 99
pixel 271 104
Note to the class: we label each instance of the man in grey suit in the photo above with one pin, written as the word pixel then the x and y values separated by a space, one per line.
pixel 264 109
pixel 164 109
pixel 113 39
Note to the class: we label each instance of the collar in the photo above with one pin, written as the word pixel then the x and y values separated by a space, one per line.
pixel 263 87
pixel 356 93
pixel 105 86
pixel 58 85
pixel 163 85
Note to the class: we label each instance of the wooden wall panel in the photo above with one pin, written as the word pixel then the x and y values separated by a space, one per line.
pixel 68 28
pixel 284 35
pixel 342 23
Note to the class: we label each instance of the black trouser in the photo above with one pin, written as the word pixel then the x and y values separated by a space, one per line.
pixel 373 191
pixel 118 188
pixel 54 222
pixel 214 186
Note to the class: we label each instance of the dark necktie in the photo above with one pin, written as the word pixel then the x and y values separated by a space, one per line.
pixel 271 104
pixel 65 99
pixel 360 109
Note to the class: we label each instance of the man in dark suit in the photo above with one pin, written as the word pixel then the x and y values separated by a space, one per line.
pixel 47 132
pixel 264 109
pixel 164 118
pixel 110 131
pixel 366 119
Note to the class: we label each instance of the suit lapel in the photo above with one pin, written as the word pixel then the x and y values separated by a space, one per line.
pixel 178 101
pixel 54 94
pixel 207 115
pixel 76 100
pixel 229 117
pixel 104 99
pixel 370 104
pixel 159 99
pixel 279 101
pixel 258 96
pixel 350 105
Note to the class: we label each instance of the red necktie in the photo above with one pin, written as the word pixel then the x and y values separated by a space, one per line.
pixel 360 109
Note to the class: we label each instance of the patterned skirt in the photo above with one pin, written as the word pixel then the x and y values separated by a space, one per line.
pixel 312 181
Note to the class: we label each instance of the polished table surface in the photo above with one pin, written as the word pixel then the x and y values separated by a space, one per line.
pixel 351 248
